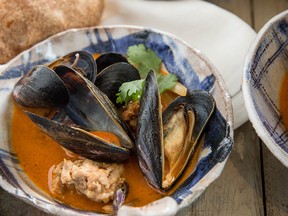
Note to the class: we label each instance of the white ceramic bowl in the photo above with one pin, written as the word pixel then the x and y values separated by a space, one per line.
pixel 191 66
pixel 265 69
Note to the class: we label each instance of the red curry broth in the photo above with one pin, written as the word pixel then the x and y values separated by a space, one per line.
pixel 284 100
pixel 37 153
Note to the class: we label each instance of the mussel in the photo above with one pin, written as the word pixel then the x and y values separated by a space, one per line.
pixel 84 98
pixel 109 58
pixel 89 109
pixel 81 142
pixel 113 70
pixel 34 90
pixel 111 78
pixel 81 61
pixel 165 143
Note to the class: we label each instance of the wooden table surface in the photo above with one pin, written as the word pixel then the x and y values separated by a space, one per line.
pixel 253 181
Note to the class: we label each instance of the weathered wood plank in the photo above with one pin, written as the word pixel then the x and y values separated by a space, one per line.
pixel 238 191
pixel 276 184
pixel 266 9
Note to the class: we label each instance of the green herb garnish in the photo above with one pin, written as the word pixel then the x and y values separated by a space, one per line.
pixel 144 60
pixel 166 82
pixel 130 91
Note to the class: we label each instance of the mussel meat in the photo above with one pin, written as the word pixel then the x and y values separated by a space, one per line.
pixel 165 143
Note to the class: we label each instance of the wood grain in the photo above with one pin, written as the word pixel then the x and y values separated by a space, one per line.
pixel 274 174
pixel 266 9
pixel 276 184
pixel 238 191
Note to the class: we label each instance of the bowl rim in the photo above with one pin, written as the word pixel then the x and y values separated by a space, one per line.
pixel 224 94
pixel 246 90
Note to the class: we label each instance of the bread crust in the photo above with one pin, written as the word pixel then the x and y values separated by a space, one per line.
pixel 26 22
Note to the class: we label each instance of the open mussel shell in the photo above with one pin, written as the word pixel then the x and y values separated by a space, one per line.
pixel 202 103
pixel 41 87
pixel 178 127
pixel 90 108
pixel 165 143
pixel 112 77
pixel 107 59
pixel 80 141
pixel 81 61
pixel 62 117
pixel 184 121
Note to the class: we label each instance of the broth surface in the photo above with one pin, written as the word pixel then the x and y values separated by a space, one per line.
pixel 283 103
pixel 37 153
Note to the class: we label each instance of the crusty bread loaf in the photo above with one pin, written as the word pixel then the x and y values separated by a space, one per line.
pixel 26 22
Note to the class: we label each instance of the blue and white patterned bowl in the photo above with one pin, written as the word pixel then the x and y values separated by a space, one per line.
pixel 193 70
pixel 265 69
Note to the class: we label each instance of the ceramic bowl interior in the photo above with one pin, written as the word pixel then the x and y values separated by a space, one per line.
pixel 193 70
pixel 265 68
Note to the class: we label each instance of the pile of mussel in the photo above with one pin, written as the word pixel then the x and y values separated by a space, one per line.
pixel 81 91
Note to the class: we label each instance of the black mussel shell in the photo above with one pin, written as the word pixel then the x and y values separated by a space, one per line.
pixel 80 142
pixel 180 130
pixel 41 87
pixel 184 119
pixel 107 59
pixel 149 138
pixel 112 77
pixel 90 108
pixel 203 104
pixel 81 61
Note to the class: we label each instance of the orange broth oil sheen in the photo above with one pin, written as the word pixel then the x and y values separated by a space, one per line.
pixel 37 153
pixel 283 102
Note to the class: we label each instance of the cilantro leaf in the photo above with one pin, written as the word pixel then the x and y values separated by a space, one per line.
pixel 143 59
pixel 166 82
pixel 130 91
